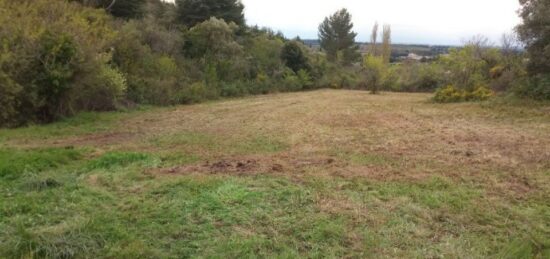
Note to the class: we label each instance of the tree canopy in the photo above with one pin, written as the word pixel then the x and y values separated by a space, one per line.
pixel 535 34
pixel 118 8
pixel 338 38
pixel 192 12
pixel 294 57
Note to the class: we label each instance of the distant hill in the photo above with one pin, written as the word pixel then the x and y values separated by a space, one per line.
pixel 398 50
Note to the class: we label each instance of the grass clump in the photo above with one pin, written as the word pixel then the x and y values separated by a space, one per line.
pixel 116 159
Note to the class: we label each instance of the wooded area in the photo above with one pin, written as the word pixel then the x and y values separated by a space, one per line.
pixel 61 57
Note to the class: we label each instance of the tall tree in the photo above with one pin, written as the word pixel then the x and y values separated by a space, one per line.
pixel 192 12
pixel 338 38
pixel 535 33
pixel 386 43
pixel 374 40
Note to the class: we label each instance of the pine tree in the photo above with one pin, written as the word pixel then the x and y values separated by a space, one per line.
pixel 192 12
pixel 338 38
pixel 535 34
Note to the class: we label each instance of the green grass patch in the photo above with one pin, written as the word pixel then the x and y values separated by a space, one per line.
pixel 371 159
pixel 83 123
pixel 366 159
pixel 260 145
pixel 14 162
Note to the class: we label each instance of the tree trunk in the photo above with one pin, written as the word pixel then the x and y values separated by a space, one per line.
pixel 111 5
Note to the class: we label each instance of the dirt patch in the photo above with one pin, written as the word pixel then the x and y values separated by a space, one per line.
pixel 224 166
pixel 296 167
pixel 282 164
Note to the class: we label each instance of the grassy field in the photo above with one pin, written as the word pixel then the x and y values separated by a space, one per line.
pixel 317 174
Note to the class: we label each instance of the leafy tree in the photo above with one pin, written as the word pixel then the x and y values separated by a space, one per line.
pixel 535 34
pixel 263 49
pixel 193 12
pixel 213 38
pixel 338 38
pixel 294 57
pixel 376 72
pixel 465 69
pixel 213 45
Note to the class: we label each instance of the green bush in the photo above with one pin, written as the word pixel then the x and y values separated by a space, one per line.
pixel 55 69
pixel 376 72
pixel 415 77
pixel 537 87
pixel 291 81
pixel 294 56
pixel 263 84
pixel 481 93
pixel 9 102
pixel 152 78
pixel 233 89
pixel 449 94
pixel 305 79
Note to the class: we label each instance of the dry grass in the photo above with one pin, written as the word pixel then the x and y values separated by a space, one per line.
pixel 392 136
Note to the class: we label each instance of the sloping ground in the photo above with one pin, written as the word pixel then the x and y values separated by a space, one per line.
pixel 326 173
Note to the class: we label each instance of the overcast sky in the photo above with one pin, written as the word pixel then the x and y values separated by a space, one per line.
pixel 412 21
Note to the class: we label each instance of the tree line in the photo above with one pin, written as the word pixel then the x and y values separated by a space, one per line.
pixel 60 57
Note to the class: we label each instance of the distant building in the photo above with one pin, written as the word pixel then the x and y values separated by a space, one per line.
pixel 415 57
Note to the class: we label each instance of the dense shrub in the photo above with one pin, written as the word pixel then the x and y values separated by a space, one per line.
pixel 415 77
pixel 537 87
pixel 153 77
pixel 263 51
pixel 196 93
pixel 450 94
pixel 376 72
pixel 294 57
pixel 54 69
pixel 51 51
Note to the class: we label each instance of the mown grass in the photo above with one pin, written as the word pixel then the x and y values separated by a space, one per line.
pixel 211 143
pixel 110 201
pixel 131 215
